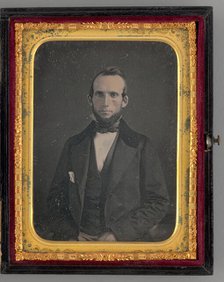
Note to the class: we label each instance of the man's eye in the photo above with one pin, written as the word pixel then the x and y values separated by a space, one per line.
pixel 99 94
pixel 113 94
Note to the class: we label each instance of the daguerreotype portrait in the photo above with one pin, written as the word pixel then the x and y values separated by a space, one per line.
pixel 105 141
pixel 109 183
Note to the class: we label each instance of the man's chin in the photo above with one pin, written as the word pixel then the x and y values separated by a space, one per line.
pixel 107 119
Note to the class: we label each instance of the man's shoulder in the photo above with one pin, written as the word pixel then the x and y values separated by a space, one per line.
pixel 77 138
pixel 130 136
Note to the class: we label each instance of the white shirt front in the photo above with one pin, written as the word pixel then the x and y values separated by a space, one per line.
pixel 102 144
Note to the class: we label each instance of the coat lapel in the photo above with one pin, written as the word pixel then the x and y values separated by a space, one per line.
pixel 80 163
pixel 125 150
pixel 123 155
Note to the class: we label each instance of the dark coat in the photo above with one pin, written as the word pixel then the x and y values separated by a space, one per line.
pixel 137 197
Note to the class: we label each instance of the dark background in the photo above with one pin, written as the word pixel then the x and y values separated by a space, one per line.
pixel 63 76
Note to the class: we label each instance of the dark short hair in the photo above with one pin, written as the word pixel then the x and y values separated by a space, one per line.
pixel 110 71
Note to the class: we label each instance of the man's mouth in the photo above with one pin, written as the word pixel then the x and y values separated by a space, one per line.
pixel 105 112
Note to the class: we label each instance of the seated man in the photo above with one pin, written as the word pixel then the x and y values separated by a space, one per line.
pixel 108 185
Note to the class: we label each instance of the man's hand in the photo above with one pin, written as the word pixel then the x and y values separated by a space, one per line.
pixel 107 236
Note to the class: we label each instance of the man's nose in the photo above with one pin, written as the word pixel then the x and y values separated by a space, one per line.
pixel 106 100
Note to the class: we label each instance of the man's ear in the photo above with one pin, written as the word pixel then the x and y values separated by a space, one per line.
pixel 89 98
pixel 125 101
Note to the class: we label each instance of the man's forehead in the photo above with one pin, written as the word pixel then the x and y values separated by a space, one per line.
pixel 109 81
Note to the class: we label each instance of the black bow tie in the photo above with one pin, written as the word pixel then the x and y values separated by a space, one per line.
pixel 102 129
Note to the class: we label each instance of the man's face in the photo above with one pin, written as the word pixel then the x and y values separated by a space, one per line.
pixel 107 99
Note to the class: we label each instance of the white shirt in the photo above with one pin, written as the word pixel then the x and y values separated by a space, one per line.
pixel 102 144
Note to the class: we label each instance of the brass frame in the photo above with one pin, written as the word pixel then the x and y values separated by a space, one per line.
pixel 183 242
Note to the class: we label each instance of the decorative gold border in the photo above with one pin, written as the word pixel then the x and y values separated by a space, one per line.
pixel 183 243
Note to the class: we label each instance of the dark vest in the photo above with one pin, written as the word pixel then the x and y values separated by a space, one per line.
pixel 93 221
